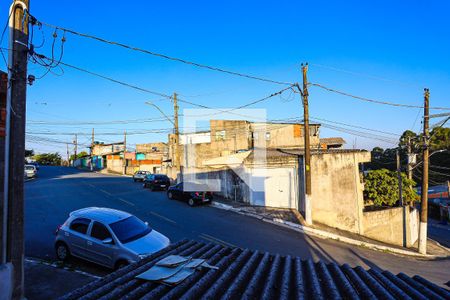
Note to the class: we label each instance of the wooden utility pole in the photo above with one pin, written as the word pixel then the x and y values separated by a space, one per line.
pixel 307 160
pixel 177 136
pixel 12 247
pixel 424 193
pixel 124 152
pixel 92 148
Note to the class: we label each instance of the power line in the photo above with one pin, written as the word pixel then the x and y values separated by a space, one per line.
pixel 372 100
pixel 361 74
pixel 184 61
pixel 169 96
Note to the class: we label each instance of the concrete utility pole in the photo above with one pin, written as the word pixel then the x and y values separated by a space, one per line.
pixel 68 157
pixel 399 177
pixel 400 195
pixel 12 250
pixel 424 194
pixel 75 149
pixel 177 136
pixel 307 143
pixel 409 166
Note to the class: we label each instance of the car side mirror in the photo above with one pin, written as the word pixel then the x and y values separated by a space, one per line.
pixel 108 241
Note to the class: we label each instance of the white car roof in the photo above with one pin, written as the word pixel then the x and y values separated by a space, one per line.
pixel 101 214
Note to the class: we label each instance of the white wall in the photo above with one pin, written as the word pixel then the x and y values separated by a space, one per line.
pixel 274 187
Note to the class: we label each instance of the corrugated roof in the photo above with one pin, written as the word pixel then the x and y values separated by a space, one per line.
pixel 248 274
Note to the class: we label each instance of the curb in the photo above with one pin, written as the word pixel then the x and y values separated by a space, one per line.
pixel 324 234
pixel 55 265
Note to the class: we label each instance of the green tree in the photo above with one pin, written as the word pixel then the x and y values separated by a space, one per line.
pixel 79 155
pixel 381 188
pixel 440 138
pixel 29 153
pixel 52 159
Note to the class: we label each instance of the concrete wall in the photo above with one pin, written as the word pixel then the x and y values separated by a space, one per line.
pixel 337 191
pixel 285 135
pixel 387 225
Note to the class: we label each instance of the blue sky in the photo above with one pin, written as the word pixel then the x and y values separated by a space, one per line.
pixel 388 50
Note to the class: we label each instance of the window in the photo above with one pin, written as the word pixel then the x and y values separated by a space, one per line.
pixel 100 232
pixel 220 135
pixel 130 229
pixel 80 225
pixel 267 136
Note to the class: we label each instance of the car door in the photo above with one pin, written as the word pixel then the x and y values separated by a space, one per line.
pixel 99 251
pixel 76 236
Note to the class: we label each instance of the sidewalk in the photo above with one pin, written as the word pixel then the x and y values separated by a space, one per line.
pixel 292 219
pixel 50 281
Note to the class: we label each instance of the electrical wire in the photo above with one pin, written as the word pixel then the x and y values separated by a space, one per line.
pixel 359 74
pixel 372 100
pixel 184 61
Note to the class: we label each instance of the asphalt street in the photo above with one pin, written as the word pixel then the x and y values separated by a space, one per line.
pixel 59 190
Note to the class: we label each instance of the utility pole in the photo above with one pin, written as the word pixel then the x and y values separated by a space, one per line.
pixel 12 245
pixel 399 177
pixel 424 193
pixel 400 195
pixel 92 148
pixel 68 157
pixel 177 136
pixel 308 217
pixel 409 166
pixel 75 149
pixel 124 152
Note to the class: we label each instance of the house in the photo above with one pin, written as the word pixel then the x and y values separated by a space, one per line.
pixel 226 137
pixel 106 155
pixel 249 274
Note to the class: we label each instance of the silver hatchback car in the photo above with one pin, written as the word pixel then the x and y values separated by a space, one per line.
pixel 108 237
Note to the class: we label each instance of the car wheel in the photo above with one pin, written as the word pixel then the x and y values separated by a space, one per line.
pixel 191 202
pixel 62 251
pixel 170 195
pixel 121 264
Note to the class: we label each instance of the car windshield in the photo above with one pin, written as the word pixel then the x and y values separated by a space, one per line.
pixel 161 177
pixel 29 168
pixel 129 229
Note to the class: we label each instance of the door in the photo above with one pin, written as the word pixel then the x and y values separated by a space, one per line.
pixel 98 251
pixel 278 185
pixel 77 235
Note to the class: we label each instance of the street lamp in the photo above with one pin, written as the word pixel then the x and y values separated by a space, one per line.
pixel 160 110
pixel 437 151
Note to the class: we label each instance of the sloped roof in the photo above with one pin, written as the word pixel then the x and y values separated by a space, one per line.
pixel 332 141
pixel 248 274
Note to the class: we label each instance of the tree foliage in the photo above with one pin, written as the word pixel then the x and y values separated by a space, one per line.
pixel 381 188
pixel 29 153
pixel 79 155
pixel 52 159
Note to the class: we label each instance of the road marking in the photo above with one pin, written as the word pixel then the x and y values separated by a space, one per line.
pixel 128 202
pixel 91 185
pixel 106 192
pixel 162 217
pixel 56 265
pixel 216 240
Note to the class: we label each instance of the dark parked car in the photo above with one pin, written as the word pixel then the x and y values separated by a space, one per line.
pixel 156 182
pixel 193 193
